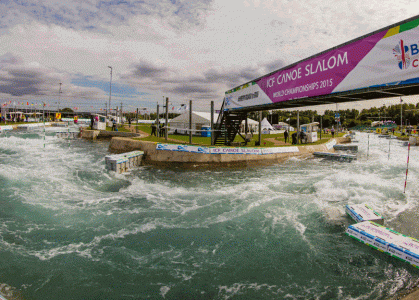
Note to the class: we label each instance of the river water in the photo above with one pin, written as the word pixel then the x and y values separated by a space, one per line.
pixel 71 230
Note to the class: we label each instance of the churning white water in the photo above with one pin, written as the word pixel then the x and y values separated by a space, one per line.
pixel 71 230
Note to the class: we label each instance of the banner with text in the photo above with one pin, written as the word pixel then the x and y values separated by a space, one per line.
pixel 389 57
pixel 226 150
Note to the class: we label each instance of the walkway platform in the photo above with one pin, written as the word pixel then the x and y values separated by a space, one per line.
pixel 352 148
pixel 337 156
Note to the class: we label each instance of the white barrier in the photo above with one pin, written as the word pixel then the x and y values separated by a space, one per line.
pixel 32 125
pixel 386 240
pixel 123 162
pixel 330 144
pixel 116 163
pixel 67 134
pixel 6 127
pixel 362 212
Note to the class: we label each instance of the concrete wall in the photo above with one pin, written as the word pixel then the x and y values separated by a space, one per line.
pixel 175 158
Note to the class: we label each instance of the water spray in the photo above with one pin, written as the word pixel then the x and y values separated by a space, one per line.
pixel 389 149
pixel 407 167
pixel 368 148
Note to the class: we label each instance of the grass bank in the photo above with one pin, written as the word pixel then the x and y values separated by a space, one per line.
pixel 266 139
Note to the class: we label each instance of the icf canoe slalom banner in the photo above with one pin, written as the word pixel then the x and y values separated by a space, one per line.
pixel 387 57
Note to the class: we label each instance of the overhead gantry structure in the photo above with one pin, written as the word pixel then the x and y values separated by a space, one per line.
pixel 382 64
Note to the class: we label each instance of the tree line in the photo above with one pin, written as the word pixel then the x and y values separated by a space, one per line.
pixel 348 118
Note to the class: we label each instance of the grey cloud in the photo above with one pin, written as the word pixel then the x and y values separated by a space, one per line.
pixel 146 70
pixel 234 78
pixel 18 79
pixel 9 58
pixel 274 65
pixel 91 14
pixel 19 82
pixel 210 84
pixel 185 89
pixel 24 88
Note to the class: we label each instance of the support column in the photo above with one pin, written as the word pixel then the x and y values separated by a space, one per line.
pixel 166 131
pixel 246 125
pixel 298 126
pixel 212 123
pixel 260 127
pixel 136 128
pixel 157 122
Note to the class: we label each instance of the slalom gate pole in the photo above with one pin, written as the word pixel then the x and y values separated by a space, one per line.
pixel 407 167
pixel 44 133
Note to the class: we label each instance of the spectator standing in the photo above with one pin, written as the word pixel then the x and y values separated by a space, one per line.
pixel 153 129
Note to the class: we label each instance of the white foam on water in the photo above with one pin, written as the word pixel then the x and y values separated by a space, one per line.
pixel 236 288
pixel 376 181
pixel 164 290
pixel 46 176
pixel 68 183
pixel 91 250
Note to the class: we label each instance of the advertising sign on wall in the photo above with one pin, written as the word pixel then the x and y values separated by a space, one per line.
pixel 387 57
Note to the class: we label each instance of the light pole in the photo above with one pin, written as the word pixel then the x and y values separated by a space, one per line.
pixel 110 91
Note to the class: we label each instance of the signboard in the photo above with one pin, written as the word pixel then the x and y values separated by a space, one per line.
pixel 182 148
pixel 280 150
pixel 226 150
pixel 386 57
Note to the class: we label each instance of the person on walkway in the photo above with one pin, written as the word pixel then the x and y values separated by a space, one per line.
pixel 286 135
pixel 153 129
pixel 303 137
pixel 113 125
pixel 333 132
pixel 161 132
pixel 294 138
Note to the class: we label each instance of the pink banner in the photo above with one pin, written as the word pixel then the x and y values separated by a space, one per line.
pixel 320 75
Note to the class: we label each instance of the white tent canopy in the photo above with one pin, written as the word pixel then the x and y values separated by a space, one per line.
pixel 266 125
pixel 180 124
pixel 250 122
pixel 252 125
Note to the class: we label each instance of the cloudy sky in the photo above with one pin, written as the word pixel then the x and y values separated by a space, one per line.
pixel 181 49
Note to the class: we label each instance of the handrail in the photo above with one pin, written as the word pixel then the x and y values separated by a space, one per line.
pixel 220 115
